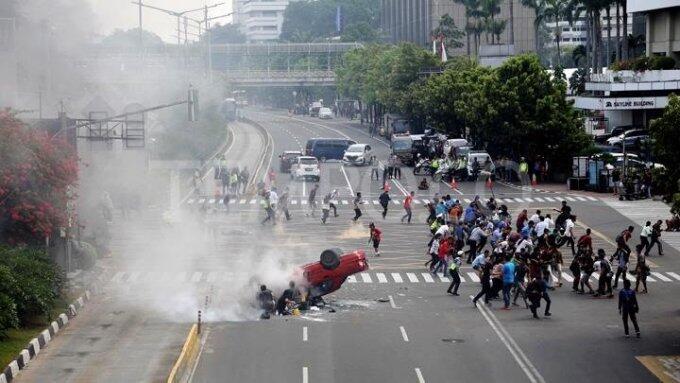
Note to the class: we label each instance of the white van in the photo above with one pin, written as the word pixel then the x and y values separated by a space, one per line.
pixel 325 113
pixel 486 165
pixel 454 143
pixel 357 154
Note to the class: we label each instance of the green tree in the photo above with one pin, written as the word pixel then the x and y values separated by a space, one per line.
pixel 120 38
pixel 226 34
pixel 666 136
pixel 9 318
pixel 309 21
pixel 528 114
pixel 450 32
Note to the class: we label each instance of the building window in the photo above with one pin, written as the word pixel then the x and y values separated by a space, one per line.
pixel 268 13
pixel 565 29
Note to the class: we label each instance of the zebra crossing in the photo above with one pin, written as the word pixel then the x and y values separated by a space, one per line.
pixel 299 201
pixel 369 277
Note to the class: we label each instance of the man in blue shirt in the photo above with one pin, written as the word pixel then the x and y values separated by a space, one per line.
pixel 508 280
pixel 470 214
pixel 527 229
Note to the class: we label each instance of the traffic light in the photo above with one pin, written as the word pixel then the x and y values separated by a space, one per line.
pixel 192 104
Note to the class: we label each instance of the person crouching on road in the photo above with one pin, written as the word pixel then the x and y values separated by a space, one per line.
pixel 265 300
pixel 375 237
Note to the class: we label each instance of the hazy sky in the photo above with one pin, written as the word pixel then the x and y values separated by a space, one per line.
pixel 123 14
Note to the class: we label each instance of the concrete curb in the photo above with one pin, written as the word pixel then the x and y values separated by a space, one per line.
pixel 182 368
pixel 42 340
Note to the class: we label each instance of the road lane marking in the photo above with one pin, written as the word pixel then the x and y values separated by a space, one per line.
pixel 253 201
pixel 293 202
pixel 592 198
pixel 427 277
pixel 443 278
pixel 570 199
pixel 366 277
pixel 661 276
pixel 473 276
pixel 352 279
pixel 381 278
pixel 392 303
pixel 412 277
pixel 196 277
pixel 539 199
pixel 397 278
pixel 117 277
pixel 581 199
pixel 344 202
pixel 349 185
pixel 528 199
pixel 419 375
pixel 567 277
pixel 524 363
pixel 549 199
pixel 304 188
pixel 304 334
pixel 674 275
pixel 305 375
pixel 403 333
pixel 467 200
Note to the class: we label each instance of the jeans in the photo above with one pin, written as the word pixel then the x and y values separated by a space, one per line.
pixel 335 209
pixel 357 214
pixel 644 241
pixel 384 212
pixel 472 252
pixel 324 215
pixel 486 290
pixel 507 286
pixel 655 240
pixel 547 302
pixel 407 215
pixel 633 318
pixel 455 277
pixel 620 271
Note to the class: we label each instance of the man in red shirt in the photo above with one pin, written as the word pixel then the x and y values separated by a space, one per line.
pixel 445 247
pixel 375 237
pixel 521 220
pixel 407 207
pixel 585 243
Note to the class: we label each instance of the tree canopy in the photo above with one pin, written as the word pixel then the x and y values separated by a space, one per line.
pixel 226 34
pixel 309 21
pixel 37 174
pixel 666 137
pixel 130 38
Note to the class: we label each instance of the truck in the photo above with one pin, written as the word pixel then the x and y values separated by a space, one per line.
pixel 402 147
pixel 314 108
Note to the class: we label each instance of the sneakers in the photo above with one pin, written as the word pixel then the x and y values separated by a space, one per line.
pixel 547 314
pixel 637 334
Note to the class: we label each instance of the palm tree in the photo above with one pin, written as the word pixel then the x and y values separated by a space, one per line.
pixel 491 8
pixel 618 30
pixel 539 9
pixel 579 53
pixel 557 9
pixel 593 9
pixel 512 21
pixel 624 10
pixel 470 6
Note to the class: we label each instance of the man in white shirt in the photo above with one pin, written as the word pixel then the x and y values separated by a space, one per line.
pixel 536 217
pixel 541 227
pixel 443 231
pixel 569 232
pixel 646 235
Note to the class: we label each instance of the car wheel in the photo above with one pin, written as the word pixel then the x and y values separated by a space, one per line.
pixel 330 258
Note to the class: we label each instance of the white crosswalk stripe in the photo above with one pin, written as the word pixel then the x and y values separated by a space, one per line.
pixel 661 276
pixel 473 276
pixel 549 199
pixel 581 199
pixel 674 275
pixel 592 198
pixel 570 199
pixel 539 199
pixel 345 202
pixel 199 277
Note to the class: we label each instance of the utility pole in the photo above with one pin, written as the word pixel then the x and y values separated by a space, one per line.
pixel 208 36
pixel 141 38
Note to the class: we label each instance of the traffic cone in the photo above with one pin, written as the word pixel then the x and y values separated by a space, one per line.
pixel 454 184
pixel 533 180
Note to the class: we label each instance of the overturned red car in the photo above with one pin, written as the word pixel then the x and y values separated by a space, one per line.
pixel 333 268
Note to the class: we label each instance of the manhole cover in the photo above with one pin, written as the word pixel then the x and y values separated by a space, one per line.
pixel 453 340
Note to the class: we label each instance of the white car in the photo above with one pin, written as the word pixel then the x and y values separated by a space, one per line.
pixel 325 113
pixel 305 167
pixel 357 154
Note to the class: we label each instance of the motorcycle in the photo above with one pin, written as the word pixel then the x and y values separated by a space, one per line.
pixel 445 173
pixel 422 168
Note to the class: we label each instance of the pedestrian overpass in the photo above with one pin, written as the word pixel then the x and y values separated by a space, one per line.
pixel 279 64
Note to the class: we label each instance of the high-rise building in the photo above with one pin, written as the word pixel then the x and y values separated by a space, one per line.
pixel 259 20
pixel 414 20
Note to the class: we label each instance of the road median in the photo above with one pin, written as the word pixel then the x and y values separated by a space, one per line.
pixel 181 370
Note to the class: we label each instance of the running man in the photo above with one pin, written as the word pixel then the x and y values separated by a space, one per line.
pixel 311 200
pixel 384 201
pixel 357 207
pixel 407 207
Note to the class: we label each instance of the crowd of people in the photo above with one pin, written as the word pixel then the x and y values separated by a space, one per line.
pixel 521 257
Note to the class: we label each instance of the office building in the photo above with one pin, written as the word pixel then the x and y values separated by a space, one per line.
pixel 414 20
pixel 259 20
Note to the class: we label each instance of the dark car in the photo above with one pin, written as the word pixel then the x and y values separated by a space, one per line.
pixel 327 148
pixel 327 275
pixel 287 158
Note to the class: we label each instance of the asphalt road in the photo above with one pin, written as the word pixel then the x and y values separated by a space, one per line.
pixel 134 330
pixel 395 323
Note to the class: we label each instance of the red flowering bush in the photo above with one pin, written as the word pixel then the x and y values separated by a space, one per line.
pixel 37 178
